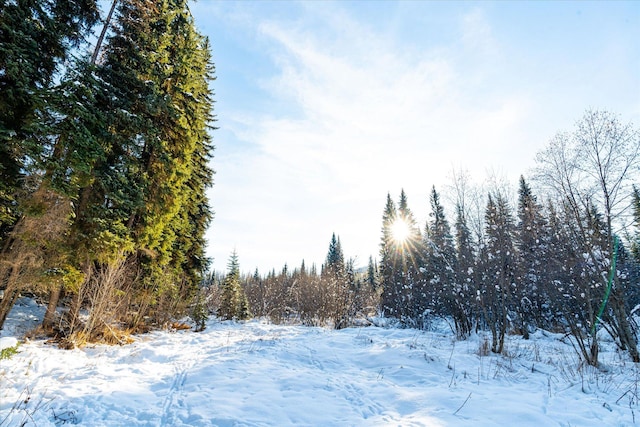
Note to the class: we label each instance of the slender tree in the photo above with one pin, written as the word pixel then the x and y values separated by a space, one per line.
pixel 233 300
pixel 339 295
pixel 388 261
pixel 533 257
pixel 465 274
pixel 401 252
pixel 409 252
pixel 372 274
pixel 498 265
pixel 635 245
pixel 440 264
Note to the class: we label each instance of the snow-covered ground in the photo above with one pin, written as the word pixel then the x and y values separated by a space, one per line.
pixel 259 374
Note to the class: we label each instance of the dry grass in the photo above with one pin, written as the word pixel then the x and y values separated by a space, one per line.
pixel 106 335
pixel 179 326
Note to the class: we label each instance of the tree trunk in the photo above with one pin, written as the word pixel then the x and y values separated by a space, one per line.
pixel 11 294
pixel 593 354
pixel 6 304
pixel 54 297
pixel 627 337
pixel 74 311
pixel 107 22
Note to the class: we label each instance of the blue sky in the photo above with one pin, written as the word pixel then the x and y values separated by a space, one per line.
pixel 325 107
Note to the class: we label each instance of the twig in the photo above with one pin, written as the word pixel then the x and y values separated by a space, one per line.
pixel 451 355
pixel 453 376
pixel 463 403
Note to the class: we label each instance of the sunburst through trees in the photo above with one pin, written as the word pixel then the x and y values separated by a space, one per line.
pixel 400 231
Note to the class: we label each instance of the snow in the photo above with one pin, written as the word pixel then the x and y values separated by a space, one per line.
pixel 7 342
pixel 260 374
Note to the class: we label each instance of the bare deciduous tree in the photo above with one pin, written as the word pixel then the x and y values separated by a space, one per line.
pixel 594 167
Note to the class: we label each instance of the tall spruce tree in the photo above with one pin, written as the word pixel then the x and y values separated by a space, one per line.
pixel 388 261
pixel 465 283
pixel 131 147
pixel 149 187
pixel 440 261
pixel 400 260
pixel 409 252
pixel 36 37
pixel 533 245
pixel 339 296
pixel 498 264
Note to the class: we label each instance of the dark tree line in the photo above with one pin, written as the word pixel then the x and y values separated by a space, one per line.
pixel 538 265
pixel 103 162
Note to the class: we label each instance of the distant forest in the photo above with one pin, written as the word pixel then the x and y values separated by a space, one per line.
pixel 104 164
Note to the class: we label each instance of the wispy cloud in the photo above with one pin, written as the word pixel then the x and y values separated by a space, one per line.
pixel 372 116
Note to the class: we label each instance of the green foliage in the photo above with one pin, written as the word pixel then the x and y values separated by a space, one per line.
pixel 233 301
pixel 335 257
pixel 9 352
pixel 244 312
pixel 68 276
pixel 200 312
pixel 124 141
pixel 534 257
pixel 136 143
pixel 388 258
pixel 161 67
pixel 35 38
pixel 372 273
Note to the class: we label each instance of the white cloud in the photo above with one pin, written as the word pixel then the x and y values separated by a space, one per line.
pixel 477 34
pixel 372 118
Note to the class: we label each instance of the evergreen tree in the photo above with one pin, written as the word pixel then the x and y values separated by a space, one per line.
pixel 129 144
pixel 149 186
pixel 400 260
pixel 635 245
pixel 339 297
pixel 532 244
pixel 465 274
pixel 440 262
pixel 388 261
pixel 498 264
pixel 233 301
pixel 372 274
pixel 200 312
pixel 411 247
pixel 409 252
pixel 35 39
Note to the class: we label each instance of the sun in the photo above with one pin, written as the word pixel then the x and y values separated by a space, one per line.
pixel 400 230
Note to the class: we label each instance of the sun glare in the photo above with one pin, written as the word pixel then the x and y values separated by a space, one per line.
pixel 400 230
